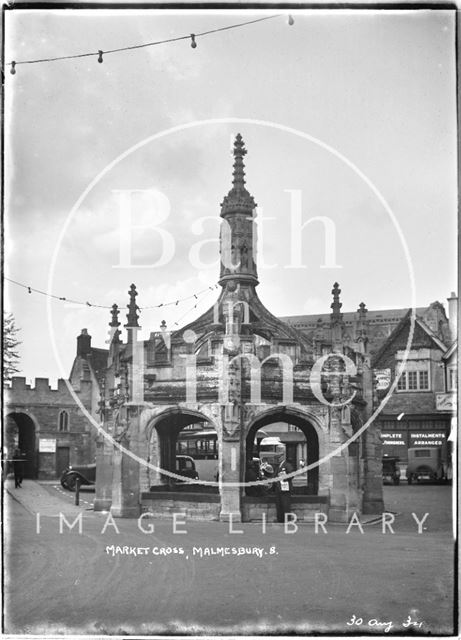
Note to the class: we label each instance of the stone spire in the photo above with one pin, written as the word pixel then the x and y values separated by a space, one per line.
pixel 114 313
pixel 336 315
pixel 336 320
pixel 114 323
pixel 362 311
pixel 238 199
pixel 361 327
pixel 238 260
pixel 132 317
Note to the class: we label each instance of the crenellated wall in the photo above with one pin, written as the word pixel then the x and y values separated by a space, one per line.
pixel 35 420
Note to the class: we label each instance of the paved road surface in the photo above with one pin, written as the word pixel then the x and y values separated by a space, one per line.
pixel 69 582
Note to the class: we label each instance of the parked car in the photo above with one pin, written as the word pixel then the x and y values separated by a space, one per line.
pixel 425 463
pixel 86 473
pixel 185 466
pixel 391 469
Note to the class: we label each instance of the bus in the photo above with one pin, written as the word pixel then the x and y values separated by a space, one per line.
pixel 200 444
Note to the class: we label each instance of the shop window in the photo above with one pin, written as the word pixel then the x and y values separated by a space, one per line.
pixel 452 379
pixel 63 423
pixel 402 384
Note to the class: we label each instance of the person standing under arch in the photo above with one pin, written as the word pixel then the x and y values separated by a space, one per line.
pixel 18 468
pixel 283 488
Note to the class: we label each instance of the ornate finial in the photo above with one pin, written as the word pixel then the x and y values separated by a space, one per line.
pixel 114 324
pixel 361 327
pixel 132 317
pixel 163 325
pixel 336 304
pixel 239 168
pixel 362 311
pixel 114 312
pixel 238 197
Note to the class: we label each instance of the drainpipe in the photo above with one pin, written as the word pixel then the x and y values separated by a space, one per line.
pixel 453 314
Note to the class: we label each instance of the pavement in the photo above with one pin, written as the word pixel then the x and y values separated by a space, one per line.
pixel 122 579
pixel 47 497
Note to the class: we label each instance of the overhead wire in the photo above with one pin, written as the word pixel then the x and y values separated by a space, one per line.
pixel 102 306
pixel 99 53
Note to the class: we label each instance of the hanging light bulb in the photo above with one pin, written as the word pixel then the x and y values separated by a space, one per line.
pixel 291 21
pixel 100 56
pixel 193 44
pixel 13 70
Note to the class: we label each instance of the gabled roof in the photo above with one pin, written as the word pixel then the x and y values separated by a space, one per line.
pixel 349 317
pixel 451 350
pixel 400 327
pixel 98 360
pixel 431 334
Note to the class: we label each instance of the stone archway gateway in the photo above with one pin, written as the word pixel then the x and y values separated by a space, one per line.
pixel 20 433
pixel 238 368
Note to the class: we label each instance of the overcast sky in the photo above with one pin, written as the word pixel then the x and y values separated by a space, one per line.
pixel 374 88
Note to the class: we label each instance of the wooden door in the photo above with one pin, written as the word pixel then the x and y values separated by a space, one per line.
pixel 62 460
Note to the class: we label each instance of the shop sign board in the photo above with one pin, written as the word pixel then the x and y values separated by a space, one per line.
pixel 445 401
pixel 383 378
pixel 47 445
pixel 427 439
pixel 393 438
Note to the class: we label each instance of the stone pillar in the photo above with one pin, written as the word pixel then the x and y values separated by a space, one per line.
pixel 338 510
pixel 373 471
pixel 104 471
pixel 372 452
pixel 230 464
pixel 230 496
pixel 125 486
pixel 126 498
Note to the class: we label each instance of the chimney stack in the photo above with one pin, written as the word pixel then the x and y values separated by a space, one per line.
pixel 453 314
pixel 84 343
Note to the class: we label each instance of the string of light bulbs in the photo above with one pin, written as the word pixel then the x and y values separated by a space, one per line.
pixel 102 306
pixel 101 53
pixel 206 294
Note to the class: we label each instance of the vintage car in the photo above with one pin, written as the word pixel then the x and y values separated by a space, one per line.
pixel 391 470
pixel 425 463
pixel 185 466
pixel 86 473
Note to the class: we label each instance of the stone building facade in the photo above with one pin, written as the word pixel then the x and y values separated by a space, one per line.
pixel 48 425
pixel 422 408
pixel 420 411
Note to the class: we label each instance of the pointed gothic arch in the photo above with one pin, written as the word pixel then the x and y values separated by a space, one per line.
pixel 295 417
pixel 162 432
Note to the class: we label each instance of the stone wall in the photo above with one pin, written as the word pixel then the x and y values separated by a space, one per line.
pixel 303 507
pixel 194 506
pixel 43 406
